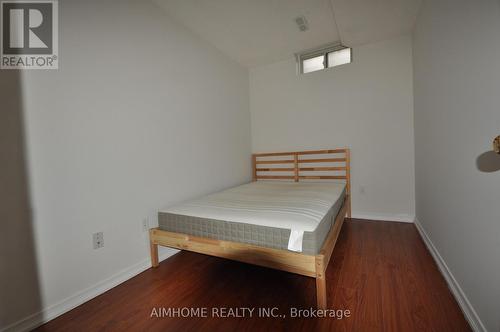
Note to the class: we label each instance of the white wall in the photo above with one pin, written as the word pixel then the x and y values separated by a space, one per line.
pixel 19 286
pixel 140 114
pixel 366 105
pixel 457 114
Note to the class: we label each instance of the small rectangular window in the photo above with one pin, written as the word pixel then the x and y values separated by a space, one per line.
pixel 338 58
pixel 313 64
pixel 322 58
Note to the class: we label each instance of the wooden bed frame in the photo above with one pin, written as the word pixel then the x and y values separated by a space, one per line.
pixel 307 265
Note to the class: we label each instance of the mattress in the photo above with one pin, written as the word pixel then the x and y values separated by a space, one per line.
pixel 296 216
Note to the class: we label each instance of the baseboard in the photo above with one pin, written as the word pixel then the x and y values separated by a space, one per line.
pixel 81 297
pixel 469 312
pixel 384 217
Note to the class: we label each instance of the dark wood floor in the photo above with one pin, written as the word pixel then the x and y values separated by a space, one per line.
pixel 380 271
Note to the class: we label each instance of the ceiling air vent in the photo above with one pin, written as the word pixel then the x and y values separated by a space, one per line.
pixel 302 23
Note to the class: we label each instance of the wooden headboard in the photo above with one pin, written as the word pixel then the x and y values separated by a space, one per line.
pixel 299 165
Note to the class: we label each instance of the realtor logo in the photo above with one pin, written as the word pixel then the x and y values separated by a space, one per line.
pixel 29 38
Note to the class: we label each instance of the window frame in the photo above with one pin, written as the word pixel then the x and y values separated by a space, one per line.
pixel 321 51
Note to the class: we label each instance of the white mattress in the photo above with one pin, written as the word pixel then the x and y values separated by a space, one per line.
pixel 298 206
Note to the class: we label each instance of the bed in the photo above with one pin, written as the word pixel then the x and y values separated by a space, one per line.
pixel 288 218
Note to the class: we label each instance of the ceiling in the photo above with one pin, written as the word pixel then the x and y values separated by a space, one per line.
pixel 258 32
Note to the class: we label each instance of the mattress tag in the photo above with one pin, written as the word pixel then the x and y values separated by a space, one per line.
pixel 295 240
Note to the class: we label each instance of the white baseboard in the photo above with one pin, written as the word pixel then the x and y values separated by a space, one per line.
pixel 469 312
pixel 384 217
pixel 49 313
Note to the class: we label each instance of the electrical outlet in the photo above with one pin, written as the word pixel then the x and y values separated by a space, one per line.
pixel 362 190
pixel 98 239
pixel 145 224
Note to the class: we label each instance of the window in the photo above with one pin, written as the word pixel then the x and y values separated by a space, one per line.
pixel 340 57
pixel 313 64
pixel 325 57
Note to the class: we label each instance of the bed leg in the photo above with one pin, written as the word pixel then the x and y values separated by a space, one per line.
pixel 321 292
pixel 154 254
pixel 320 282
pixel 348 208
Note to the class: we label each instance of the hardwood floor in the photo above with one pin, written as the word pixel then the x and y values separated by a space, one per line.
pixel 380 271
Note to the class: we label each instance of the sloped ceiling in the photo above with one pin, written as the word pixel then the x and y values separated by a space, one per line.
pixel 258 32
pixel 364 21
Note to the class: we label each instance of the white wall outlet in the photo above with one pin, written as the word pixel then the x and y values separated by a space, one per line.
pixel 145 224
pixel 362 190
pixel 98 239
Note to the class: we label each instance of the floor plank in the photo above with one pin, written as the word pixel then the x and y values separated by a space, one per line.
pixel 380 271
